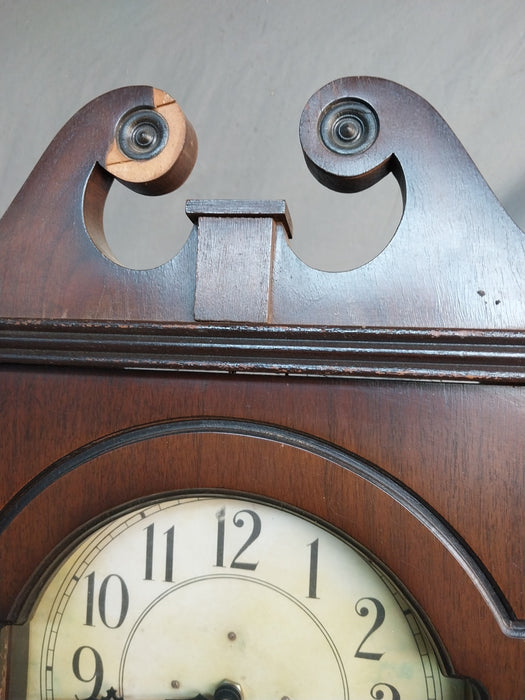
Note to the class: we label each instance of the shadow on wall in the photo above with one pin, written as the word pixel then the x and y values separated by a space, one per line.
pixel 514 202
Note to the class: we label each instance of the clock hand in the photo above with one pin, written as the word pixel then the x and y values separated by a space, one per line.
pixel 111 694
pixel 226 690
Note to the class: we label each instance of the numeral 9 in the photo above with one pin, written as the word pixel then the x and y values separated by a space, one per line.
pixel 98 672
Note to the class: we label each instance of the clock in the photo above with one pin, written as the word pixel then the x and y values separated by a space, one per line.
pixel 225 596
pixel 238 477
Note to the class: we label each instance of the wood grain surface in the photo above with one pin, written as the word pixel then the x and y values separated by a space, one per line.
pixel 453 445
pixel 428 475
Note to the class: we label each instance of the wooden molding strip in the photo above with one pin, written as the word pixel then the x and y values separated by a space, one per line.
pixel 431 354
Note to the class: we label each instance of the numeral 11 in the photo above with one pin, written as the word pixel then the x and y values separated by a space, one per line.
pixel 150 541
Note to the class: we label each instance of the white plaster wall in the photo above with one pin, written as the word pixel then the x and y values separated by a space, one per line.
pixel 242 71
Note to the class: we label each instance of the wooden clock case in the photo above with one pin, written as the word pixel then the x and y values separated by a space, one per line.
pixel 387 400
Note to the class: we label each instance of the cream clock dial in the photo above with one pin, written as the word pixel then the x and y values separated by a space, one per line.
pixel 206 596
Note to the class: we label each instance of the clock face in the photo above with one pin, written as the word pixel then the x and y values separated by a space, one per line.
pixel 208 594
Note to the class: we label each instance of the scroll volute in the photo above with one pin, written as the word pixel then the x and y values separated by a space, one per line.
pixel 55 260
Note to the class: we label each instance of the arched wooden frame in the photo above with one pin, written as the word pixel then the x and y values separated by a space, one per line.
pixel 331 453
pixel 427 475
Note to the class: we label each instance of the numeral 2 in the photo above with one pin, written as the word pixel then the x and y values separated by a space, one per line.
pixel 379 619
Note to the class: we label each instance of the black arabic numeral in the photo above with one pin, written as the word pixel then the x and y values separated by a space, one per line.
pixel 238 521
pixel 98 670
pixel 150 543
pixel 90 598
pixel 314 556
pixel 221 515
pixel 170 539
pixel 256 531
pixel 378 694
pixel 102 600
pixel 363 611
pixel 150 537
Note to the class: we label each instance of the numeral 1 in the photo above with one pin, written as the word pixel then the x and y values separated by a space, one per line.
pixel 363 611
pixel 221 515
pixel 90 598
pixel 314 555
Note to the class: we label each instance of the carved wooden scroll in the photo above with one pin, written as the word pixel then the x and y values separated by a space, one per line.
pixel 426 474
pixel 451 275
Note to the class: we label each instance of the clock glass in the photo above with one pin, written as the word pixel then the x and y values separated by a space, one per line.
pixel 228 597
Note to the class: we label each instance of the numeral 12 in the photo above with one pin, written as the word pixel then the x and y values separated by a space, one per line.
pixel 238 521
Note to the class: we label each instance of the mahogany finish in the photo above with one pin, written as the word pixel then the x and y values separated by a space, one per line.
pixel 426 474
pixel 427 277
pixel 55 260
